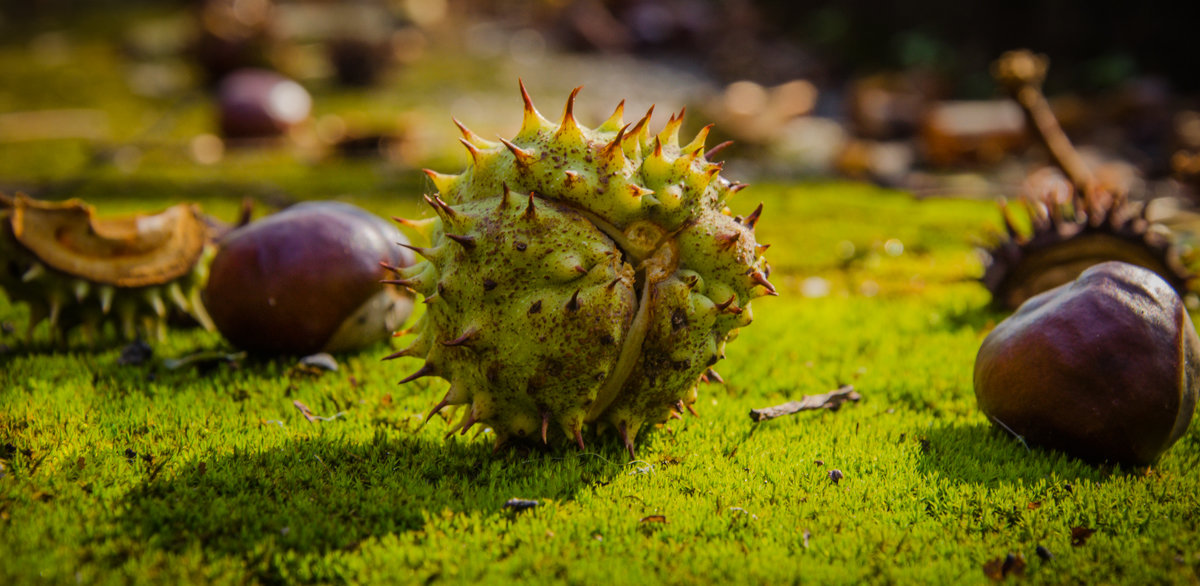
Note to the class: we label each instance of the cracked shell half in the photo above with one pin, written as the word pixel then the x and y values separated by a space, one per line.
pixel 1071 232
pixel 76 270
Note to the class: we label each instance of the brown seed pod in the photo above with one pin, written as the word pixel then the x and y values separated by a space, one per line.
pixel 260 104
pixel 1105 368
pixel 79 270
pixel 1071 233
pixel 307 279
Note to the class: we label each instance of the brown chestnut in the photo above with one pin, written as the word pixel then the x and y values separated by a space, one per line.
pixel 1105 368
pixel 259 103
pixel 307 279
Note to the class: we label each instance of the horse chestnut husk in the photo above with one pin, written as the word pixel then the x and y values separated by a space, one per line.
pixel 307 279
pixel 1105 368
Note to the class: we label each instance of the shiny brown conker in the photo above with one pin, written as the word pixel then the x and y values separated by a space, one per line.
pixel 259 103
pixel 1105 368
pixel 307 279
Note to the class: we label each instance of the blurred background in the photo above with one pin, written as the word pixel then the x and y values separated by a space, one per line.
pixel 312 98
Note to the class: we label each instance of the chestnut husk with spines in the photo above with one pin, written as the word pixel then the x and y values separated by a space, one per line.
pixel 1105 368
pixel 307 279
pixel 1079 219
pixel 76 269
pixel 1067 237
pixel 580 276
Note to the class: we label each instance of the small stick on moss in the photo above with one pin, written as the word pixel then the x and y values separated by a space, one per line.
pixel 831 400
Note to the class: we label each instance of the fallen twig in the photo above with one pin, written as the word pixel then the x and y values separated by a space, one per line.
pixel 207 357
pixel 831 400
pixel 1022 73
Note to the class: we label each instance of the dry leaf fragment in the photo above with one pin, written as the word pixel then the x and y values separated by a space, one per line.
pixel 1000 568
pixel 204 359
pixel 320 360
pixel 308 414
pixel 518 505
pixel 1080 535
pixel 653 519
pixel 831 400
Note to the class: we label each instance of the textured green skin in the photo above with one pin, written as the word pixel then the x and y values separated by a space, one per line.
pixel 625 224
pixel 530 353
pixel 68 301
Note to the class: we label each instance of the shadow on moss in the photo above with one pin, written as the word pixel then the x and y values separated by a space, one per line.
pixel 981 454
pixel 978 318
pixel 321 495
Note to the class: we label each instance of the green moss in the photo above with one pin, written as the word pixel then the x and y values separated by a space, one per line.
pixel 143 473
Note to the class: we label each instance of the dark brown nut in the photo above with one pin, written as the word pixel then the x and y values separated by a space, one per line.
pixel 307 279
pixel 258 103
pixel 1105 368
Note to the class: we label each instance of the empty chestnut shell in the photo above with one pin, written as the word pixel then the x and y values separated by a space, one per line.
pixel 1105 368
pixel 307 280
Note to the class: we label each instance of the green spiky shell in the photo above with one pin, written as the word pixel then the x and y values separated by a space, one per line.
pixel 68 300
pixel 581 275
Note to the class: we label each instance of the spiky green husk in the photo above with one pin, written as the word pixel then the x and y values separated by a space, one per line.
pixel 581 275
pixel 69 301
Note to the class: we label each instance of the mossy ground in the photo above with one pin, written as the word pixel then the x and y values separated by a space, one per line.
pixel 143 473
pixel 123 473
